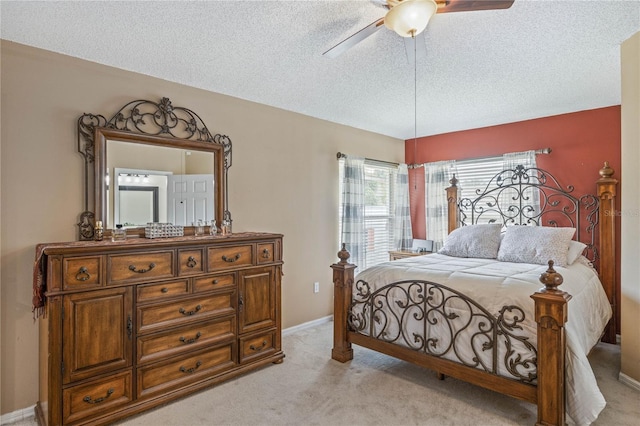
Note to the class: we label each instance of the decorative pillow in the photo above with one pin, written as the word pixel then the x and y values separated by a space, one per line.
pixel 575 251
pixel 480 241
pixel 536 244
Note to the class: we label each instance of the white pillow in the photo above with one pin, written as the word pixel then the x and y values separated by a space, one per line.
pixel 575 251
pixel 536 244
pixel 481 241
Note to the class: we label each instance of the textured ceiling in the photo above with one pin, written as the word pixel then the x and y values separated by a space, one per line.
pixel 536 59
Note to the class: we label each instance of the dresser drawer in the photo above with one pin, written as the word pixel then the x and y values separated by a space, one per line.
pixel 266 252
pixel 178 372
pixel 188 338
pixel 140 266
pixel 162 315
pixel 82 272
pixel 257 346
pixel 97 397
pixel 214 282
pixel 190 261
pixel 230 257
pixel 151 292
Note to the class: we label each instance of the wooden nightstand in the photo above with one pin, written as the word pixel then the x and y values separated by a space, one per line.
pixel 401 254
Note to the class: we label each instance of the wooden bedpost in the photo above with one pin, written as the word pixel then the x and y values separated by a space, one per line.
pixel 343 276
pixel 607 234
pixel 452 208
pixel 551 315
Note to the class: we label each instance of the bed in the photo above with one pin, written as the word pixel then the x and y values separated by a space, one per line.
pixel 512 308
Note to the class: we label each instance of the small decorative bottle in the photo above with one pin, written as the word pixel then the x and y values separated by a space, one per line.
pixel 198 228
pixel 118 234
pixel 98 232
pixel 213 229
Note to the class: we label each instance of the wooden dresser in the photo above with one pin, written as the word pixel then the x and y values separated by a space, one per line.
pixel 134 324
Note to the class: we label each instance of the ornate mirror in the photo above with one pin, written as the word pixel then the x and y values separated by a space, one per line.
pixel 152 162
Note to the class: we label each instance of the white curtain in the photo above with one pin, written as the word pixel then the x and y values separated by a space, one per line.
pixel 352 233
pixel 402 233
pixel 436 181
pixel 526 208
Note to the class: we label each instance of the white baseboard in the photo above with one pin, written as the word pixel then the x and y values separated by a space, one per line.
pixel 632 383
pixel 23 414
pixel 306 325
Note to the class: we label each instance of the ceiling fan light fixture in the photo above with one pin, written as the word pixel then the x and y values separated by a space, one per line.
pixel 410 17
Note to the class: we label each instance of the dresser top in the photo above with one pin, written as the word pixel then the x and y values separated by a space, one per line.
pixel 146 243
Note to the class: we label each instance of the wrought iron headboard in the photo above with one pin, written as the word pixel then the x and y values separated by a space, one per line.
pixel 509 199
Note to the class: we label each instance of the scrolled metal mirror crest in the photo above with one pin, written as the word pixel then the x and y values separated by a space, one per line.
pixel 162 121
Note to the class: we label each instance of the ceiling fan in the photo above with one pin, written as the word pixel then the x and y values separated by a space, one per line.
pixel 409 18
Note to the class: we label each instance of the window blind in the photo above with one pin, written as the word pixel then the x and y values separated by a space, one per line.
pixel 474 175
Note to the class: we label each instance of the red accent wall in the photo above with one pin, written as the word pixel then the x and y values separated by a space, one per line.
pixel 581 142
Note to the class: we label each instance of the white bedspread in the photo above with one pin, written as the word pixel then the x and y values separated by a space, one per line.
pixel 494 284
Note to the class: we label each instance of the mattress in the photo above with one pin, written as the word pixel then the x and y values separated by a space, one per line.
pixel 494 284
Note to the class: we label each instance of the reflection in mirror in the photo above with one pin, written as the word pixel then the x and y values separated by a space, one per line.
pixel 139 196
pixel 184 180
pixel 138 205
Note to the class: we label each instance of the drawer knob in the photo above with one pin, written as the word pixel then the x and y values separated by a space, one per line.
pixel 192 262
pixel 215 281
pixel 187 313
pixel 164 290
pixel 192 369
pixel 258 348
pixel 192 340
pixel 266 254
pixel 142 271
pixel 90 400
pixel 83 274
pixel 231 259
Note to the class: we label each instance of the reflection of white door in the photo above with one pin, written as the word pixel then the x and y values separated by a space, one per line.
pixel 190 198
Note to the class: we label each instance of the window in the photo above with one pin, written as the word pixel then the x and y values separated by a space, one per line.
pixel 474 175
pixel 379 209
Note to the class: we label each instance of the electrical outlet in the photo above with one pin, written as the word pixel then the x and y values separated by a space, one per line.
pixel 316 287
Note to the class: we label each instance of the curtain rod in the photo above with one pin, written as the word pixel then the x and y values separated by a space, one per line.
pixel 340 155
pixel 537 151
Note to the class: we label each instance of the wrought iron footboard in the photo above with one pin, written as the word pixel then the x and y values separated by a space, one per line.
pixel 442 322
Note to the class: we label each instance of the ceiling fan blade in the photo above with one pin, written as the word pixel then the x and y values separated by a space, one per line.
pixel 471 5
pixel 356 38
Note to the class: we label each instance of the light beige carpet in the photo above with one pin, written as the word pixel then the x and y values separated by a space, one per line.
pixel 309 388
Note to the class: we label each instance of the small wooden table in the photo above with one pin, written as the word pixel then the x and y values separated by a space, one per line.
pixel 401 254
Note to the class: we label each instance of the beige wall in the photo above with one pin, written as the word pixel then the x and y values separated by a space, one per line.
pixel 630 214
pixel 283 179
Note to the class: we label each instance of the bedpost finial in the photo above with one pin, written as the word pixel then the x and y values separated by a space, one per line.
pixel 606 171
pixel 453 181
pixel 344 254
pixel 550 278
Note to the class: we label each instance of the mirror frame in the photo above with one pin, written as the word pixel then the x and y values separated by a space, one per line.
pixel 145 122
